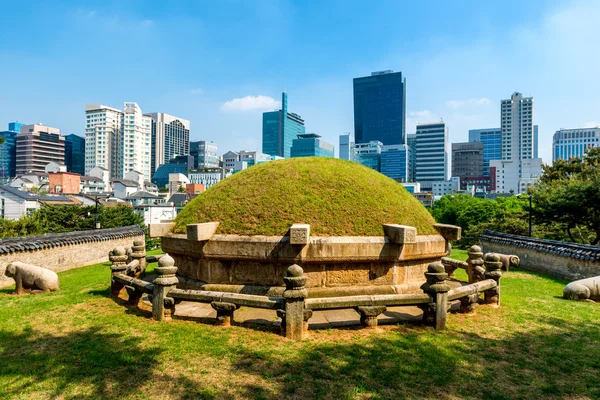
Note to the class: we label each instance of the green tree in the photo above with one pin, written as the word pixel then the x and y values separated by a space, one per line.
pixel 568 195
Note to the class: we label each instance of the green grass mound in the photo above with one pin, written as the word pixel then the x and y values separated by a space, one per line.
pixel 336 197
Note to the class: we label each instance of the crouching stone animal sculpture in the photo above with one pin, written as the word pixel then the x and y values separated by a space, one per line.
pixel 583 289
pixel 32 277
pixel 509 261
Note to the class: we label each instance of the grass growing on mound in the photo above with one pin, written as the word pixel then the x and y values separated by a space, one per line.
pixel 79 343
pixel 336 197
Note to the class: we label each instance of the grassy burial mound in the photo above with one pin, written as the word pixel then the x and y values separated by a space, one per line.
pixel 336 197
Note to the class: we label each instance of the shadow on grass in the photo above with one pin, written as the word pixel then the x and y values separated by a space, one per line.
pixel 101 365
pixel 558 362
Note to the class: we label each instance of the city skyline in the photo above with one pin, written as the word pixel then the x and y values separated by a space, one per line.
pixel 459 69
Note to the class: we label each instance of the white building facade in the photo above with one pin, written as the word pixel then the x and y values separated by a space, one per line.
pixel 119 141
pixel 517 169
pixel 431 156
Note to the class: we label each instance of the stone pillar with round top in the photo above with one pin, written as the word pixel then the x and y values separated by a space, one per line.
pixel 294 296
pixel 493 270
pixel 162 306
pixel 138 252
pixel 435 313
pixel 475 264
pixel 118 258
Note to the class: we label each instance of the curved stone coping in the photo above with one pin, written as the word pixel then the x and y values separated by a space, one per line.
pixel 472 288
pixel 39 242
pixel 333 303
pixel 320 249
pixel 242 300
pixel 573 250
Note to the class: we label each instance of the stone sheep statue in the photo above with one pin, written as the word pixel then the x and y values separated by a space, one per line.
pixel 583 290
pixel 32 277
pixel 509 261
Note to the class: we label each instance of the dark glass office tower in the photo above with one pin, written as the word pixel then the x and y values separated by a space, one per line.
pixel 75 154
pixel 380 108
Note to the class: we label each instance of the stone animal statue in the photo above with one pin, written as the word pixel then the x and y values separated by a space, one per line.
pixel 509 261
pixel 32 277
pixel 583 290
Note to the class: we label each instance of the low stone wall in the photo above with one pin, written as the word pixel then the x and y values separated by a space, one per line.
pixel 564 260
pixel 63 251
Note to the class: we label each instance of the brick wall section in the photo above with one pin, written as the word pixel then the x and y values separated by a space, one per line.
pixel 63 251
pixel 570 261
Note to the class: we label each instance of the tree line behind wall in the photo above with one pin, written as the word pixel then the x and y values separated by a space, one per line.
pixel 566 206
pixel 59 218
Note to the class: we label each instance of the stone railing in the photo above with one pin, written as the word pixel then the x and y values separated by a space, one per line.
pixel 295 308
pixel 63 251
pixel 565 260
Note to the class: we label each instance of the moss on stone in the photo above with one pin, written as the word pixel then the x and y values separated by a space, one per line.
pixel 336 197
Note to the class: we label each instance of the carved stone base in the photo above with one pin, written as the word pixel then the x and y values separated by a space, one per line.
pixel 224 312
pixel 368 315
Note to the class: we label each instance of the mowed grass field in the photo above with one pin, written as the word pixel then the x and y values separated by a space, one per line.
pixel 79 343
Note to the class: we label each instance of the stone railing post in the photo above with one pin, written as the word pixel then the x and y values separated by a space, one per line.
pixel 368 315
pixel 294 296
pixel 118 258
pixel 163 306
pixel 224 312
pixel 475 264
pixel 493 270
pixel 435 313
pixel 138 252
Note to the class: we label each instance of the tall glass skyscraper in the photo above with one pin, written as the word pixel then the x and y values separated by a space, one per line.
pixel 170 137
pixel 75 154
pixel 395 162
pixel 280 128
pixel 8 155
pixel 380 108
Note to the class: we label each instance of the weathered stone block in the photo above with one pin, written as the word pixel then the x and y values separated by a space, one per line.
pixel 160 230
pixel 300 234
pixel 448 232
pixel 340 275
pixel 400 234
pixel 203 231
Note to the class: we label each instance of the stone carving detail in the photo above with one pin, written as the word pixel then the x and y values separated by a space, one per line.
pixel 493 270
pixel 475 269
pixel 583 290
pixel 294 296
pixel 300 234
pixel 118 257
pixel 31 277
pixel 163 307
pixel 509 261
pixel 368 315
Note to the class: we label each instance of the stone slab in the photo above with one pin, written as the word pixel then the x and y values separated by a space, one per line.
pixel 449 232
pixel 160 230
pixel 300 234
pixel 400 234
pixel 201 232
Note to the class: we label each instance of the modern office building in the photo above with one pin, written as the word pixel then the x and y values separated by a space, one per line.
pixel 208 177
pixel 518 167
pixel 8 153
pixel 118 140
pixel 205 154
pixel 467 159
pixel 432 152
pixel 36 146
pixel 280 128
pixel 369 154
pixel 492 146
pixel 346 147
pixel 235 161
pixel 380 108
pixel 177 165
pixel 75 154
pixel 15 126
pixel 310 145
pixel 170 137
pixel 395 162
pixel 569 143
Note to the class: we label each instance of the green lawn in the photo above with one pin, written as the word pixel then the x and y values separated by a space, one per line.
pixel 78 343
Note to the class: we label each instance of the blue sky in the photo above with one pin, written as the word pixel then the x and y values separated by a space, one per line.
pixel 221 64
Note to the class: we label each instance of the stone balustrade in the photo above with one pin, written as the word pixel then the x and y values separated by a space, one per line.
pixel 295 308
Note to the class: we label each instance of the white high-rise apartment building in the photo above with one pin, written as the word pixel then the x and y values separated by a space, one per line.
pixel 170 138
pixel 117 140
pixel 517 168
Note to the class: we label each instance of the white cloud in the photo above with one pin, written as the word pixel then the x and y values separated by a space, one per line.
pixel 196 91
pixel 419 117
pixel 470 102
pixel 591 124
pixel 251 103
